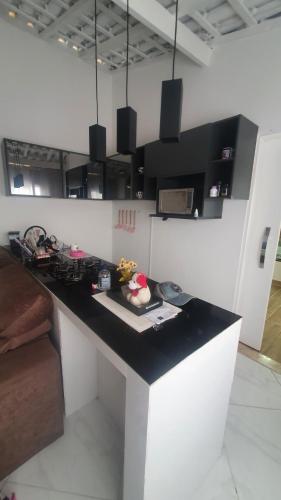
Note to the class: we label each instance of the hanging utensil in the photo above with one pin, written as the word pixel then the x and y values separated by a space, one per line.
pixel 129 228
pixel 118 225
pixel 126 220
pixel 133 228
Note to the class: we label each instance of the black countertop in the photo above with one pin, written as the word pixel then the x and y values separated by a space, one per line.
pixel 152 353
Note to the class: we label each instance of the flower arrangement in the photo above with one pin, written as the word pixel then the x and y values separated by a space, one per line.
pixel 127 269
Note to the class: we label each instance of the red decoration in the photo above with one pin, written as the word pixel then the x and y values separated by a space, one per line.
pixel 141 280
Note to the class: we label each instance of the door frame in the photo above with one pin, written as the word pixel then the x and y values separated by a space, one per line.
pixel 246 252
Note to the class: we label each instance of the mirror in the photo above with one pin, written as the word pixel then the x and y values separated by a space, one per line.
pixel 84 179
pixel 119 177
pixel 33 170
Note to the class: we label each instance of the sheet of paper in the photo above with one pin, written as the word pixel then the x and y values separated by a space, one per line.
pixel 163 313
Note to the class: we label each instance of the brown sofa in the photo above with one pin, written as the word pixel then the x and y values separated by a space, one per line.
pixel 31 400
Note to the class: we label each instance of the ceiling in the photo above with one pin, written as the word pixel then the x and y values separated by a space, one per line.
pixel 202 25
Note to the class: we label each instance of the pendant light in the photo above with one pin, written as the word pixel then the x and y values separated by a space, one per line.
pixel 171 101
pixel 126 117
pixel 97 133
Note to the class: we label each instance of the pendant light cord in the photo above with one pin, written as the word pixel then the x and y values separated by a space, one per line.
pixel 175 39
pixel 96 61
pixel 127 57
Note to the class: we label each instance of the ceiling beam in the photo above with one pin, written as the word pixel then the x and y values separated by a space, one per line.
pixel 119 41
pixel 240 8
pixel 119 20
pixel 203 21
pixel 100 28
pixel 158 19
pixel 111 14
pixel 258 29
pixel 187 7
pixel 42 10
pixel 63 18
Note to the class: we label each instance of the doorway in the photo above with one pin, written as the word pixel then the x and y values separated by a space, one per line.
pixel 271 342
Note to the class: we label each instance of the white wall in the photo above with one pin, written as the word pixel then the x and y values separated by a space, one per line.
pixel 204 256
pixel 201 256
pixel 243 77
pixel 134 245
pixel 87 223
pixel 48 97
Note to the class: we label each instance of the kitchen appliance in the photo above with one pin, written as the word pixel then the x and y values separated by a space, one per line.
pixel 176 201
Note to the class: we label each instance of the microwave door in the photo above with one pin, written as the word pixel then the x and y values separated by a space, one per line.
pixel 176 201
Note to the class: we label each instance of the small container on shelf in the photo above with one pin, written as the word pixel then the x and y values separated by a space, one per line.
pixel 214 192
pixel 227 153
pixel 225 191
pixel 219 186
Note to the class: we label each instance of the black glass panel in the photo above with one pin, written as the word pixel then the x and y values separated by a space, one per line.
pixel 85 181
pixel 119 177
pixel 33 170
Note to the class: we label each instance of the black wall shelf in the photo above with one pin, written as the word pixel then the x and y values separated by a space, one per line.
pixel 165 217
pixel 222 160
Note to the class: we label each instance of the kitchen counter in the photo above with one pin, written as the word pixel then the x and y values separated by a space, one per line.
pixel 151 353
pixel 171 385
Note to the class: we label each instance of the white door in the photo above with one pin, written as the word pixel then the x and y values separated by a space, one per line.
pixel 264 212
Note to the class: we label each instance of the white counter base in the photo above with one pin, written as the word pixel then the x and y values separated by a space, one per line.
pixel 174 428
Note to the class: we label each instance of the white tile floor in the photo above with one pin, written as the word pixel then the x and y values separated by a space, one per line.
pixel 86 463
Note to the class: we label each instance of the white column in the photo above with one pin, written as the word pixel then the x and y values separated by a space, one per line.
pixel 174 428
pixel 79 365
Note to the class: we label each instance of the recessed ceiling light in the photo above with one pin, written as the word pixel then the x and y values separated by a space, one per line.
pixel 99 61
pixel 61 40
pixel 75 47
pixel 12 14
pixel 30 24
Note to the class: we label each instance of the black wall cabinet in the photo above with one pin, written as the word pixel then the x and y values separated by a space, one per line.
pixel 200 152
pixel 125 178
pixel 190 155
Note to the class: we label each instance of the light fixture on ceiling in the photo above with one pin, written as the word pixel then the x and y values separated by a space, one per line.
pixel 126 117
pixel 75 48
pixel 30 24
pixel 171 100
pixel 97 133
pixel 61 40
pixel 99 60
pixel 12 14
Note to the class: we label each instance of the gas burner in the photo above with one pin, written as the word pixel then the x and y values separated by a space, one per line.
pixel 72 270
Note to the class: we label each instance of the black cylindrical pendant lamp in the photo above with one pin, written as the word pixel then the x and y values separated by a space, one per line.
pixel 97 143
pixel 97 133
pixel 126 117
pixel 171 101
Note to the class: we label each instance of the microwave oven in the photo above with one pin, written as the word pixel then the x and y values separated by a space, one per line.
pixel 176 201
